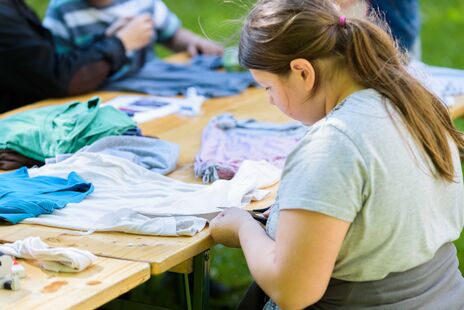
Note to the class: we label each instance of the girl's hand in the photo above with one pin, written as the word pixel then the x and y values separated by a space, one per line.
pixel 225 227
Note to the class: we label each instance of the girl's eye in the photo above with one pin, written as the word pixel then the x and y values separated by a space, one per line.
pixel 267 88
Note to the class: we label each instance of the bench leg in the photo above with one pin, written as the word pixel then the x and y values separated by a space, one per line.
pixel 186 285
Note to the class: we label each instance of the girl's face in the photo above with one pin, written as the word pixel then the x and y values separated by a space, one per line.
pixel 292 95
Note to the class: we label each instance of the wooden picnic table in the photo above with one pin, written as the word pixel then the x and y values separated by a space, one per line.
pixel 163 253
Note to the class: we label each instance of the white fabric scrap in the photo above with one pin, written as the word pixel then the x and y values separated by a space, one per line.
pixel 128 221
pixel 53 259
pixel 156 201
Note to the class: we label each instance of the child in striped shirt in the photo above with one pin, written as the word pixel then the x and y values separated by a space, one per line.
pixel 76 24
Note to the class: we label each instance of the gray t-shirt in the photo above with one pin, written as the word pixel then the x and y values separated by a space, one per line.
pixel 359 166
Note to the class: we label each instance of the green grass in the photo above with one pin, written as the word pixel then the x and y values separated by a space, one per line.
pixel 442 39
pixel 442 44
pixel 460 242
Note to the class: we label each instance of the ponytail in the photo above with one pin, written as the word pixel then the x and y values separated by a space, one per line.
pixel 372 58
pixel 278 31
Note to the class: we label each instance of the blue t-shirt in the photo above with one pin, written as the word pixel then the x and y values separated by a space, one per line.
pixel 22 197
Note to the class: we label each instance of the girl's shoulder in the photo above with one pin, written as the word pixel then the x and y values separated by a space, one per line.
pixel 358 125
pixel 364 116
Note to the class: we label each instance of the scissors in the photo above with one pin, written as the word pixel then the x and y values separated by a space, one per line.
pixel 257 214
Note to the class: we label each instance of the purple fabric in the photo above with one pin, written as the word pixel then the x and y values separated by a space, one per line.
pixel 227 142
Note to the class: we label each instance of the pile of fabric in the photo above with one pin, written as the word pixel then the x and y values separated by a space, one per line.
pixel 52 133
pixel 227 142
pixel 119 195
pixel 95 172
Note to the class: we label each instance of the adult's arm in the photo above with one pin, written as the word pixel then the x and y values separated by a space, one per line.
pixel 31 68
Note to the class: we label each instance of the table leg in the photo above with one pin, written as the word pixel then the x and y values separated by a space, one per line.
pixel 201 281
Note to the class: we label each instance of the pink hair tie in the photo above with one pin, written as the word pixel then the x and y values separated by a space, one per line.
pixel 342 21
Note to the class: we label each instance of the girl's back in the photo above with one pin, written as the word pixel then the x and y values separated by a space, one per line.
pixel 376 169
pixel 376 178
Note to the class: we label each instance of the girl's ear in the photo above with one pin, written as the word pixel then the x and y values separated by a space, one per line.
pixel 303 69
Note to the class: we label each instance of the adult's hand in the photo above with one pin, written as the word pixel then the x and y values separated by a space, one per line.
pixel 185 40
pixel 137 33
pixel 117 25
pixel 199 45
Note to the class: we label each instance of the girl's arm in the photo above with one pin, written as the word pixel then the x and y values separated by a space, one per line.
pixel 295 269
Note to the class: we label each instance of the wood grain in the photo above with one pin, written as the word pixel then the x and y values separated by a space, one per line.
pixel 89 289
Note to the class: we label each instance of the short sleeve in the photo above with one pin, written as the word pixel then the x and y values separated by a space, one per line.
pixel 166 22
pixel 325 173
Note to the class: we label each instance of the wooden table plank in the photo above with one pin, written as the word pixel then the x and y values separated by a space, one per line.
pixel 89 289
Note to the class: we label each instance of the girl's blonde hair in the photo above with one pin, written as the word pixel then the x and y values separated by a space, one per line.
pixel 278 31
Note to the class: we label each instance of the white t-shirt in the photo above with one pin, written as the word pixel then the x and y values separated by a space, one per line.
pixel 359 166
pixel 130 198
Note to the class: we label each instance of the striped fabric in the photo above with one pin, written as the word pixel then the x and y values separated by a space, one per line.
pixel 75 24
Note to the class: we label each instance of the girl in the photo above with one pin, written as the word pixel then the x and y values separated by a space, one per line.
pixel 371 199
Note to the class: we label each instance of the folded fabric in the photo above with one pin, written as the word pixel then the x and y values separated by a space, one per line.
pixel 446 83
pixel 120 184
pixel 22 196
pixel 227 142
pixel 45 132
pixel 134 132
pixel 167 79
pixel 10 160
pixel 53 259
pixel 156 155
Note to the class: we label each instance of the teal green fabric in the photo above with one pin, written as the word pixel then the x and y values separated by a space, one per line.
pixel 46 132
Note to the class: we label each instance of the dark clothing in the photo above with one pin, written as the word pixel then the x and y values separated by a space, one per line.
pixel 10 160
pixel 32 71
pixel 436 284
pixel 254 299
pixel 403 18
